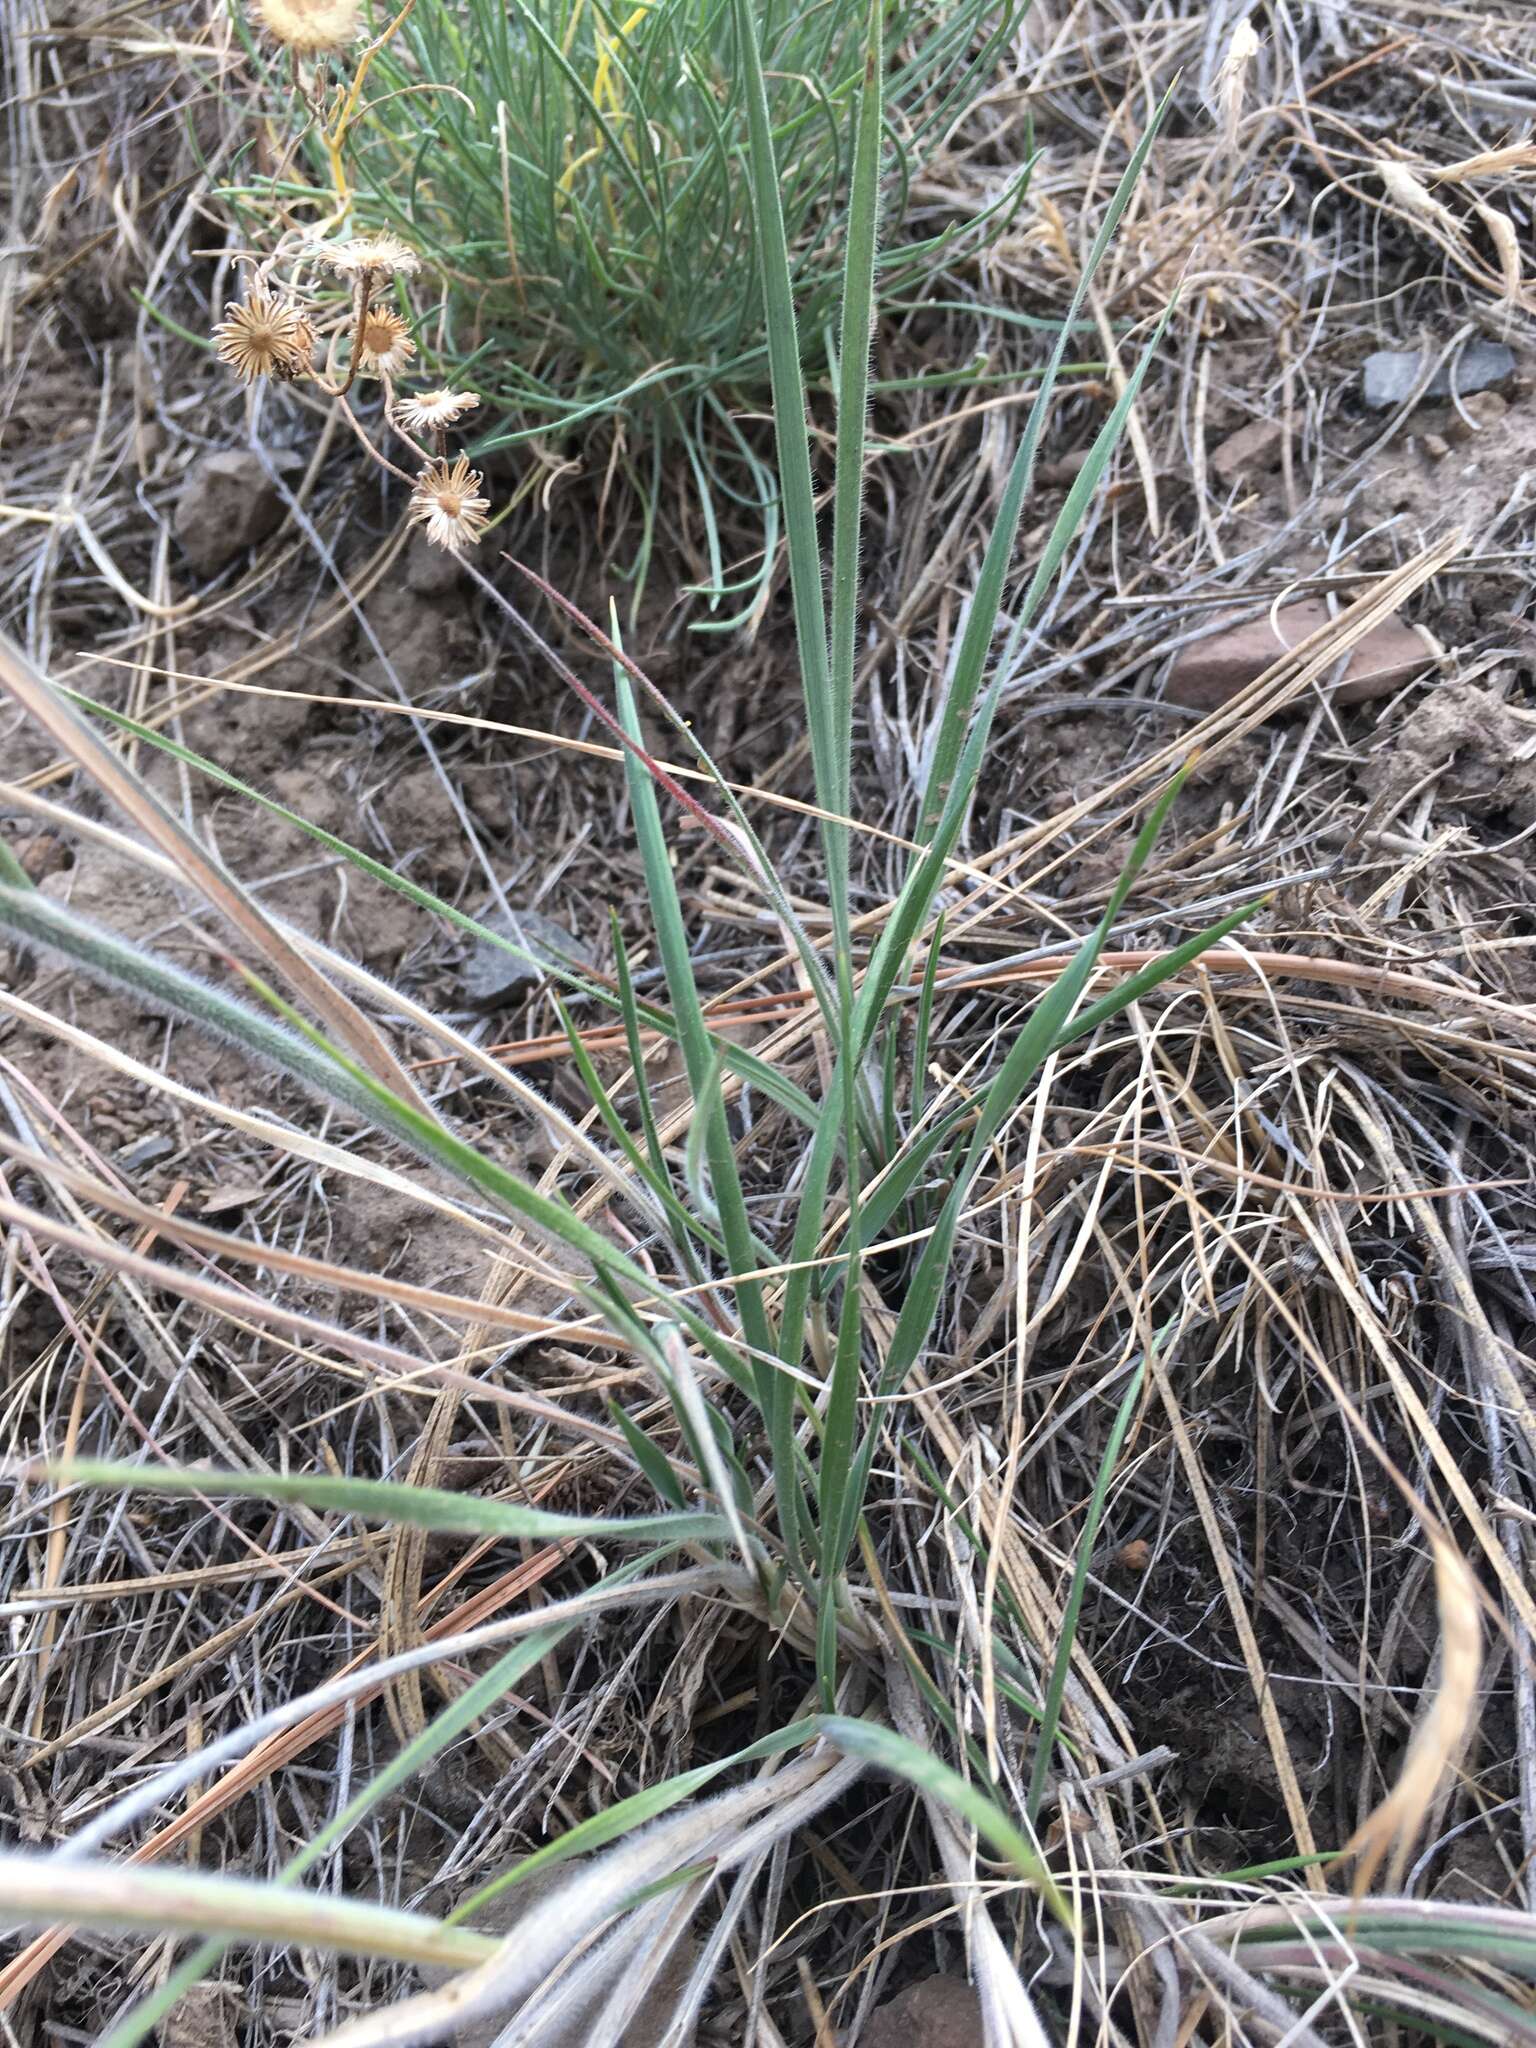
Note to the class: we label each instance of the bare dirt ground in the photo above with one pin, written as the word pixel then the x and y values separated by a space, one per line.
pixel 1321 1142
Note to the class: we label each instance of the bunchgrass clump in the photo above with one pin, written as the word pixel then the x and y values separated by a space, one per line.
pixel 577 180
pixel 773 1356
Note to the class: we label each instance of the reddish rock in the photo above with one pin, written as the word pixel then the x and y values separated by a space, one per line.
pixel 1254 447
pixel 938 2012
pixel 1210 672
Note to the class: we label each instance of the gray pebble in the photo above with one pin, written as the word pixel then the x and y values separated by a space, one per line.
pixel 1391 374
pixel 491 976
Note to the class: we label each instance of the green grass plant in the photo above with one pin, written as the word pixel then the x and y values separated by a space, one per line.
pixel 743 1338
pixel 579 179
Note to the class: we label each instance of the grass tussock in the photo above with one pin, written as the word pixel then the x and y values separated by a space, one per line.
pixel 977 1412
pixel 578 184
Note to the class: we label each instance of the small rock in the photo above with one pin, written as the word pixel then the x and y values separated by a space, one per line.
pixel 1210 672
pixel 41 854
pixel 937 2012
pixel 1391 374
pixel 227 504
pixel 491 976
pixel 1067 470
pixel 146 1151
pixel 1254 447
pixel 1436 447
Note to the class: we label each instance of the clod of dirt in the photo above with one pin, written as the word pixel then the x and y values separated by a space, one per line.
pixel 1474 747
pixel 645 2030
pixel 431 571
pixel 1463 469
pixel 112 890
pixel 1252 450
pixel 227 504
pixel 1390 375
pixel 1209 673
pixel 492 976
pixel 937 2012
pixel 203 2017
pixel 422 835
pixel 1484 409
pixel 41 854
pixel 427 642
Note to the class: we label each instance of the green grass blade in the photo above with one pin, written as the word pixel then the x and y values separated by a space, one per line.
pixel 624 1815
pixel 986 602
pixel 480 1697
pixel 926 874
pixel 896 1185
pixel 629 1010
pixel 376 870
pixel 810 1218
pixel 852 421
pixel 1061 1663
pixel 836 1469
pixel 656 1466
pixel 1155 973
pixel 1080 494
pixel 37 1891
pixel 104 956
pixel 788 411
pixel 924 1030
pixel 608 1264
pixel 660 1183
pixel 888 1751
pixel 614 150
pixel 383 1500
pixel 1023 1061
pixel 699 1054
pixel 741 1062
pixel 304 1055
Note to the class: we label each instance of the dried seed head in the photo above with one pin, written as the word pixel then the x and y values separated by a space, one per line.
pixel 383 344
pixel 310 26
pixel 447 502
pixel 371 255
pixel 264 337
pixel 430 411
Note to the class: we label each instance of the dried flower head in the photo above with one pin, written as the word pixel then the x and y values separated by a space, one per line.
pixel 447 502
pixel 310 26
pixel 370 255
pixel 431 411
pixel 264 336
pixel 383 344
